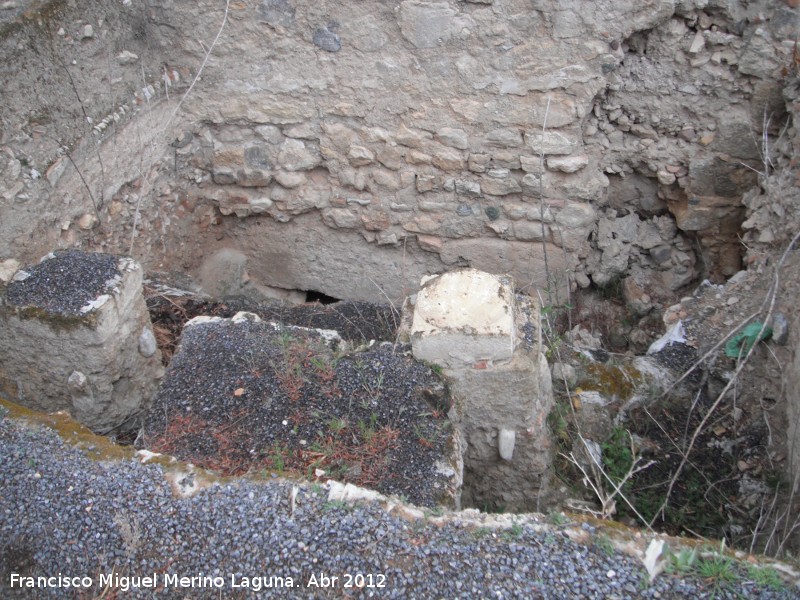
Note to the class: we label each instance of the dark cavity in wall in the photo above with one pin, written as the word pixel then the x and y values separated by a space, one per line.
pixel 320 297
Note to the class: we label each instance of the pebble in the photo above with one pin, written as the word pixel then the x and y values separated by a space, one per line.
pixel 464 210
pixel 122 517
pixel 327 40
pixel 780 329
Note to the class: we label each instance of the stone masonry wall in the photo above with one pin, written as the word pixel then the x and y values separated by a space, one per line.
pixel 617 137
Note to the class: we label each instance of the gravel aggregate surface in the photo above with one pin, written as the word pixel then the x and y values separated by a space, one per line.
pixel 245 395
pixel 63 515
pixel 64 283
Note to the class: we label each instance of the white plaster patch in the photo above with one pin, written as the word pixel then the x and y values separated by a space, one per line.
pixel 95 304
pixel 464 317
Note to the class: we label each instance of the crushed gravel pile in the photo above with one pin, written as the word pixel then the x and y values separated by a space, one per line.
pixel 63 516
pixel 246 396
pixel 64 283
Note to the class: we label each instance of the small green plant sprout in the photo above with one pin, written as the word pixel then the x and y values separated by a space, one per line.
pixel 318 362
pixel 557 421
pixel 436 511
pixel 765 577
pixel 336 425
pixel 617 454
pixel 604 544
pixel 277 459
pixel 717 569
pixel 368 429
pixel 512 533
pixel 557 518
pixel 435 369
pixel 284 338
pixel 596 476
pixel 335 505
pixel 481 532
pixel 682 562
pixel 325 370
pixel 374 390
pixel 714 567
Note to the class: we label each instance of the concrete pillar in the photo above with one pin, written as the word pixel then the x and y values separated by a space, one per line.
pixel 488 342
pixel 75 335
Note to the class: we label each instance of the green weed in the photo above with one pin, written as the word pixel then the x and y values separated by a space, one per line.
pixel 436 511
pixel 604 544
pixel 767 577
pixel 716 569
pixel 437 369
pixel 617 455
pixel 331 505
pixel 336 425
pixel 368 430
pixel 512 533
pixel 683 562
pixel 558 423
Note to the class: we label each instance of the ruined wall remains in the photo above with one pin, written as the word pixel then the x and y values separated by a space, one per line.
pixel 75 335
pixel 350 147
pixel 488 342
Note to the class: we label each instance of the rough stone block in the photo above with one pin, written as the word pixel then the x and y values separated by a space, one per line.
pixel 509 112
pixel 552 142
pixel 426 24
pixel 462 318
pixel 75 335
pixel 455 138
pixel 499 182
pixel 296 156
pixel 576 215
pixel 449 160
pixel 502 405
pixel 507 137
pixel 340 218
pixel 523 260
pixel 530 231
pixel 360 156
pixel 7 269
pixel 568 164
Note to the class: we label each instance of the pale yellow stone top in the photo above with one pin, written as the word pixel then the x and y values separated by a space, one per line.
pixel 468 301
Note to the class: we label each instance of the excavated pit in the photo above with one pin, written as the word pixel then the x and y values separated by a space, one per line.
pixel 617 154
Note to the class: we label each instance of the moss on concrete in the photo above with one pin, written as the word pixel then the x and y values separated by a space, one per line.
pixel 95 446
pixel 612 381
pixel 57 322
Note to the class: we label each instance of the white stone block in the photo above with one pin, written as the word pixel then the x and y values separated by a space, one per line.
pixel 505 443
pixel 463 318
